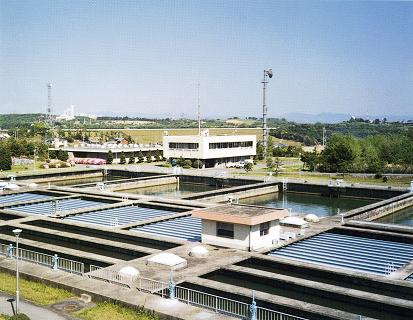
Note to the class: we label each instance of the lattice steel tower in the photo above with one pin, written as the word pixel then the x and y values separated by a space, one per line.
pixel 267 74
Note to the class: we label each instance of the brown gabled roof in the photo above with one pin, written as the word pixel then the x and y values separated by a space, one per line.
pixel 240 214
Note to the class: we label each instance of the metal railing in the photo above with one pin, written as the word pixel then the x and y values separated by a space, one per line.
pixel 152 286
pixel 94 268
pixel 212 302
pixel 267 314
pixel 113 276
pixel 209 301
pixel 71 266
pixel 53 262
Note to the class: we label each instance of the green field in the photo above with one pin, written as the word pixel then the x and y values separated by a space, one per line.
pixel 155 135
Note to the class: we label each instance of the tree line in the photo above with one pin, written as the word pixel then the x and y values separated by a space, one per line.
pixel 20 148
pixel 392 153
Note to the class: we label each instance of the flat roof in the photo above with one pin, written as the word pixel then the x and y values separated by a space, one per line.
pixel 106 149
pixel 240 214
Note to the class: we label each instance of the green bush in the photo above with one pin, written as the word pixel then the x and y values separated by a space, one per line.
pixel 20 316
pixel 197 164
pixel 187 164
pixel 167 165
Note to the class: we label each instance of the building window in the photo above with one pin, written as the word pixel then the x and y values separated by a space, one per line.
pixel 225 230
pixel 183 145
pixel 264 228
pixel 228 145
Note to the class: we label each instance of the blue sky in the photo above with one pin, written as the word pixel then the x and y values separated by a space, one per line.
pixel 145 57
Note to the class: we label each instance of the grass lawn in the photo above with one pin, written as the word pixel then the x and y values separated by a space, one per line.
pixel 44 295
pixel 110 311
pixel 155 135
pixel 35 292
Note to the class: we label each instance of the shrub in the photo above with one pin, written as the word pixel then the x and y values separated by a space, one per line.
pixel 132 160
pixel 20 316
pixel 109 159
pixel 187 164
pixel 197 164
pixel 248 166
pixel 385 179
pixel 378 175
pixel 167 165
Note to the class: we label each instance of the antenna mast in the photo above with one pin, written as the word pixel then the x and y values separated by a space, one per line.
pixel 199 112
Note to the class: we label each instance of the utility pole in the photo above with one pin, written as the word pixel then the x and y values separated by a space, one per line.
pixel 267 74
pixel 324 137
pixel 49 115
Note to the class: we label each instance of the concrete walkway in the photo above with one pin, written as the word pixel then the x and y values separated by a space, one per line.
pixel 34 312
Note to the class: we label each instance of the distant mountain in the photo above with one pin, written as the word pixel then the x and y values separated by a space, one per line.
pixel 324 117
pixel 327 117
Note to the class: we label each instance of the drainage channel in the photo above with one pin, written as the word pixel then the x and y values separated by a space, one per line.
pixel 104 234
pixel 77 244
pixel 325 298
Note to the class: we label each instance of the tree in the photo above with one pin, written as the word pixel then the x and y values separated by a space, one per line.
pixel 122 158
pixel 270 163
pixel 109 159
pixel 310 160
pixel 260 151
pixel 52 154
pixel 248 166
pixel 140 157
pixel 340 153
pixel 149 157
pixel 132 159
pixel 5 158
pixel 62 155
pixel 159 156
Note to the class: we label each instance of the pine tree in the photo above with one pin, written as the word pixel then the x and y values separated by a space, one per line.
pixel 109 159
pixel 122 158
pixel 5 159
pixel 140 157
pixel 149 157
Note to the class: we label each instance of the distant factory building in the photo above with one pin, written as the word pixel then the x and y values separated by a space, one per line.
pixel 212 151
pixel 240 227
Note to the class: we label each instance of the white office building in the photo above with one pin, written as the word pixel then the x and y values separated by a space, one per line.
pixel 213 151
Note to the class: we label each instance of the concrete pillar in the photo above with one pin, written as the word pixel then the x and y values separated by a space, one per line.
pixel 9 251
pixel 171 288
pixel 55 258
pixel 252 309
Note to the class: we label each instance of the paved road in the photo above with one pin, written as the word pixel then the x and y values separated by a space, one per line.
pixel 34 312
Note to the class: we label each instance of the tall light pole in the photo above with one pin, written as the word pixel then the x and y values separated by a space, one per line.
pixel 267 74
pixel 17 233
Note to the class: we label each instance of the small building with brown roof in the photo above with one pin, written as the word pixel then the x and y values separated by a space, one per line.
pixel 242 227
